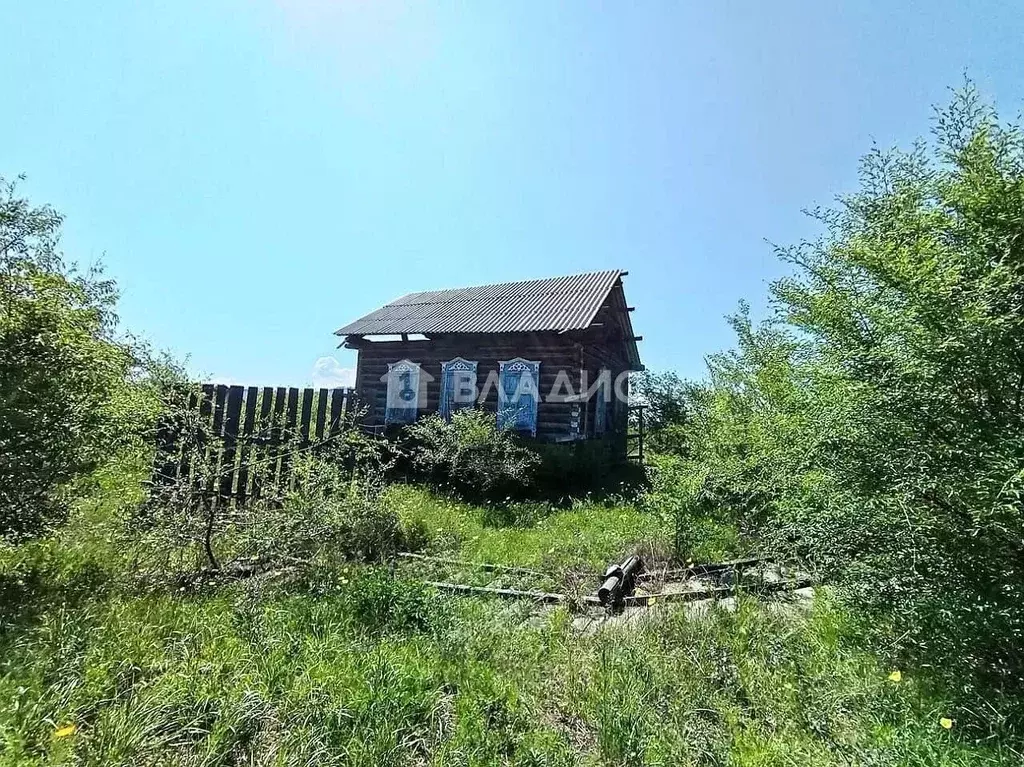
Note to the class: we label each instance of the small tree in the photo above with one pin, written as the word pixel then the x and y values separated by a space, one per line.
pixel 874 428
pixel 64 392
pixel 311 498
pixel 667 400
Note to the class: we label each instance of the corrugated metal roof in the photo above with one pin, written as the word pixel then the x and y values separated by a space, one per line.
pixel 558 303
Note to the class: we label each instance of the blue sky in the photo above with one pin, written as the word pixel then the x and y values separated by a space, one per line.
pixel 256 173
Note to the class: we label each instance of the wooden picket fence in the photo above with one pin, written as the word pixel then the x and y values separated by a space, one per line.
pixel 235 444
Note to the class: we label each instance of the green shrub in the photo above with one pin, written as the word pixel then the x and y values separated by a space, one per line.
pixel 874 427
pixel 330 510
pixel 702 530
pixel 65 395
pixel 333 510
pixel 379 602
pixel 472 457
pixel 481 463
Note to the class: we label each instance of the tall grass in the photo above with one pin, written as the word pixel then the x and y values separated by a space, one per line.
pixel 350 665
pixel 295 679
pixel 587 535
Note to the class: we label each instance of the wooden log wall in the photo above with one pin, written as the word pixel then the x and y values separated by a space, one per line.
pixel 244 437
pixel 559 354
pixel 555 354
pixel 598 356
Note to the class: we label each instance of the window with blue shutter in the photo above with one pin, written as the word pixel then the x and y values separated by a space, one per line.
pixel 518 392
pixel 458 386
pixel 403 392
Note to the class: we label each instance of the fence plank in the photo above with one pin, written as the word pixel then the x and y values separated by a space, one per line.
pixel 206 405
pixel 233 411
pixel 291 417
pixel 246 448
pixel 337 403
pixel 232 416
pixel 321 413
pixel 261 468
pixel 218 409
pixel 307 411
pixel 277 433
pixel 288 443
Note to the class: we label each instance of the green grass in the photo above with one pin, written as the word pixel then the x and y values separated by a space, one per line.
pixel 356 667
pixel 589 535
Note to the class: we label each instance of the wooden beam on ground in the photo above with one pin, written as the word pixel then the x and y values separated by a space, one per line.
pixel 702 569
pixel 717 592
pixel 534 596
pixel 486 566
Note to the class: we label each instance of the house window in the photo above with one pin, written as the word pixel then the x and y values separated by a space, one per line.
pixel 458 386
pixel 403 392
pixel 518 382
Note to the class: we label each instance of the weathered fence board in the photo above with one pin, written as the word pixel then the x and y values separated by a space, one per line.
pixel 321 412
pixel 246 450
pixel 245 437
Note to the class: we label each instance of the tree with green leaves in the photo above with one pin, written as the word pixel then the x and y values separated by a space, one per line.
pixel 873 428
pixel 64 376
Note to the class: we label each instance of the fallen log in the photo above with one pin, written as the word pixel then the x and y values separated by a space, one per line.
pixel 717 592
pixel 485 566
pixel 618 580
pixel 462 588
pixel 702 569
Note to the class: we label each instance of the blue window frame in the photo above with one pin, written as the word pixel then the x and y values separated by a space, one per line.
pixel 518 392
pixel 458 386
pixel 403 397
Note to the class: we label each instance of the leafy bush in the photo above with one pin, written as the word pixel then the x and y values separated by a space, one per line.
pixel 874 427
pixel 482 463
pixel 332 508
pixel 65 393
pixel 471 456
pixel 378 601
pixel 667 401
pixel 702 530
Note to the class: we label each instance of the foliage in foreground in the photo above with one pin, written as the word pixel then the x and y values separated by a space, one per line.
pixel 66 395
pixel 328 507
pixel 584 537
pixel 471 456
pixel 874 429
pixel 341 663
pixel 366 670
